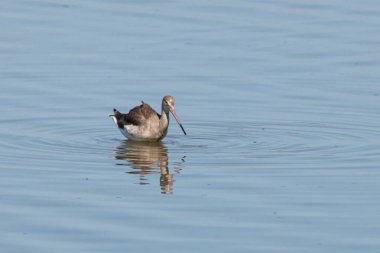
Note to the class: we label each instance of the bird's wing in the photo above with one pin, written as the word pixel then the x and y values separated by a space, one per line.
pixel 136 116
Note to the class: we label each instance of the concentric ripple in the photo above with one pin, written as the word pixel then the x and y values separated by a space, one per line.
pixel 54 139
pixel 290 142
pixel 78 139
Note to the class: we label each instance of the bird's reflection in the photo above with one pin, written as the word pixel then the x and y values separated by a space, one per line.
pixel 147 158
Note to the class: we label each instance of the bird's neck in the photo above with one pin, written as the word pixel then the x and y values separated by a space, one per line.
pixel 164 122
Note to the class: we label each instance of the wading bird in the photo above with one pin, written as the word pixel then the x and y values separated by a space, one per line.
pixel 142 123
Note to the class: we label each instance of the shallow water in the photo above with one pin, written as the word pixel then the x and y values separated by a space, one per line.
pixel 280 100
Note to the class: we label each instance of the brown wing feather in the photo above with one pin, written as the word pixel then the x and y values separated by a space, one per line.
pixel 136 116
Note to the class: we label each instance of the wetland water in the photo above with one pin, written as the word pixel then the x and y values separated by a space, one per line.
pixel 280 100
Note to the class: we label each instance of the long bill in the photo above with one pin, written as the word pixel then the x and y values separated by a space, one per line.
pixel 177 119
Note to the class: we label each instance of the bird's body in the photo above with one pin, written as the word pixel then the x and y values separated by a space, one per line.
pixel 143 123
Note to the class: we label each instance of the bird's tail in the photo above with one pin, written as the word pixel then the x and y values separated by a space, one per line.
pixel 116 114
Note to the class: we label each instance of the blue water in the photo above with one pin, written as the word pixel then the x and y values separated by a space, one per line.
pixel 280 100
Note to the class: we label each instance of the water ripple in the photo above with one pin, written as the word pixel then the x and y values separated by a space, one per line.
pixel 305 140
pixel 53 138
pixel 56 139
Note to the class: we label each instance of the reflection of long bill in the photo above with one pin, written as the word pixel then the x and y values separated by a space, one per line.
pixel 172 110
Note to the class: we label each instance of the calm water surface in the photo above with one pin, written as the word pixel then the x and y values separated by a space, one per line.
pixel 280 100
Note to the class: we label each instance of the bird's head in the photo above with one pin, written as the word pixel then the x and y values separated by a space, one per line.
pixel 168 105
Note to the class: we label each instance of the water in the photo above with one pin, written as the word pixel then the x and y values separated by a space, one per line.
pixel 280 100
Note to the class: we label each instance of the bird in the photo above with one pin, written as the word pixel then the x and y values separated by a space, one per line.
pixel 143 123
